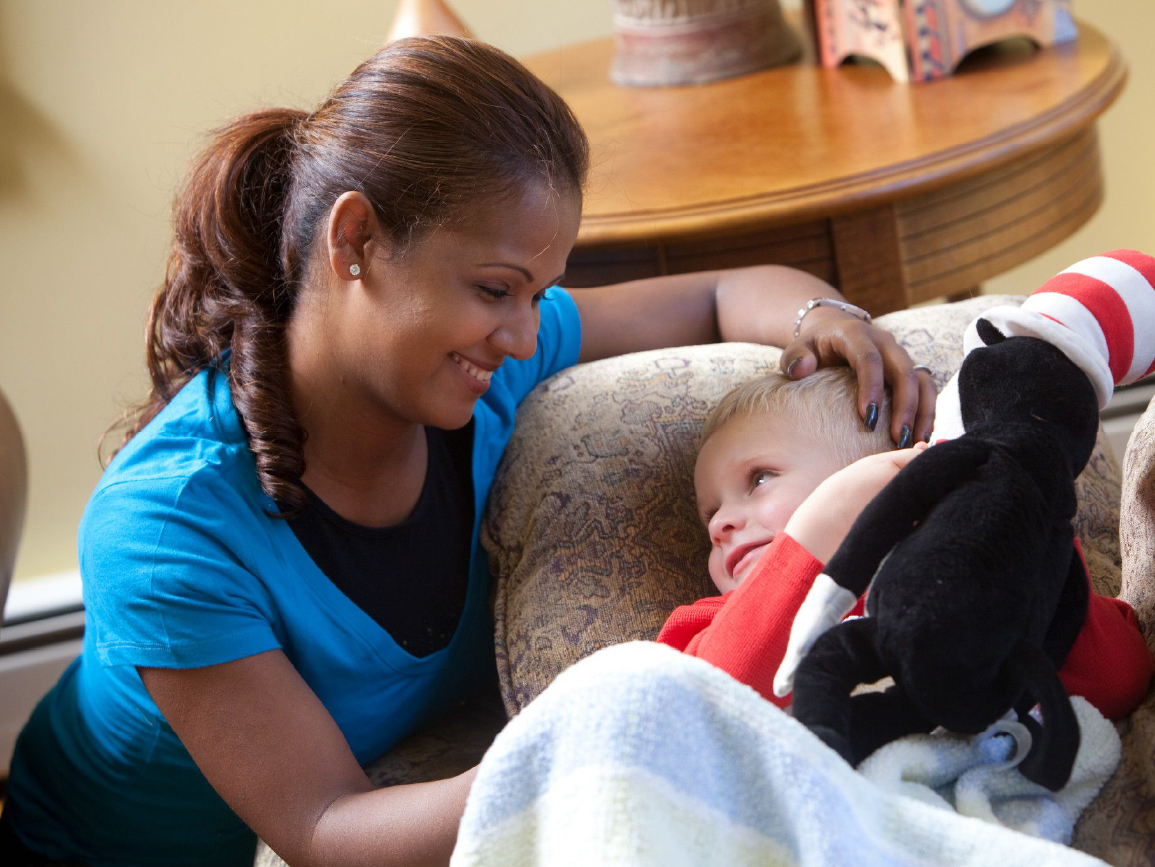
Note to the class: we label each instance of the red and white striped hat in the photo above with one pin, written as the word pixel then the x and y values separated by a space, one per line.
pixel 1100 312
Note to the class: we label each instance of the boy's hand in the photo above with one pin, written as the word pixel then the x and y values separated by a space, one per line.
pixel 824 518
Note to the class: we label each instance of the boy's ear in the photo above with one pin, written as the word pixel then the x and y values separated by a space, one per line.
pixel 350 236
pixel 988 334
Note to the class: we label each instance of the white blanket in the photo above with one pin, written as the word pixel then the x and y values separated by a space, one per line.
pixel 977 775
pixel 640 755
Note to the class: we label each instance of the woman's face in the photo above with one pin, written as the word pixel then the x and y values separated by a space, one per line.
pixel 427 328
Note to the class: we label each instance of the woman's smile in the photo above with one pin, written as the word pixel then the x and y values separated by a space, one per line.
pixel 476 377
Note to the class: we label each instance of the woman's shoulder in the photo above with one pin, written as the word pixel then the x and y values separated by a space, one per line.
pixel 172 534
pixel 191 462
pixel 197 436
pixel 559 334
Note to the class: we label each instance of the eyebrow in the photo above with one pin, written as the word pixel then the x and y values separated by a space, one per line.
pixel 524 271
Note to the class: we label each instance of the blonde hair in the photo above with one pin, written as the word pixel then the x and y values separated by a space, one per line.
pixel 823 404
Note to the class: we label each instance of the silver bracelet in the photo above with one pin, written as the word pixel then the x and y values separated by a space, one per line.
pixel 844 306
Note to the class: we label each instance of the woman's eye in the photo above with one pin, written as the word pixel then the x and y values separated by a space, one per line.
pixel 498 293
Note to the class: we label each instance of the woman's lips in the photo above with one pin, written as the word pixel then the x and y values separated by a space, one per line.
pixel 479 376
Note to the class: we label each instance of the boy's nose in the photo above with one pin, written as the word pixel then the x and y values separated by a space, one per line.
pixel 724 522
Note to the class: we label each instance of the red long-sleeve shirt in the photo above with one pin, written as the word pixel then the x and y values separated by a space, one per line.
pixel 745 632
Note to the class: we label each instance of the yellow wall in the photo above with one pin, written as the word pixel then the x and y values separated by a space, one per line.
pixel 103 102
pixel 1127 217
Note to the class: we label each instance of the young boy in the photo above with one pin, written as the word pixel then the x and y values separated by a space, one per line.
pixel 784 469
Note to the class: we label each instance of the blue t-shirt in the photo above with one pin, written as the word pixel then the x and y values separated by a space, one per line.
pixel 182 568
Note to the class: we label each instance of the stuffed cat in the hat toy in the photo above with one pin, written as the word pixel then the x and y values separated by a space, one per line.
pixel 977 589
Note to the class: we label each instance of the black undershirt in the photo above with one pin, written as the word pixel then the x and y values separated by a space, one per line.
pixel 411 577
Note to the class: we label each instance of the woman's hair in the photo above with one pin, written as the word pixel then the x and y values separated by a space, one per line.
pixel 823 405
pixel 424 129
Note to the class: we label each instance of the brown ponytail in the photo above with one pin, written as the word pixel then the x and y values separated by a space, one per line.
pixel 425 128
pixel 224 290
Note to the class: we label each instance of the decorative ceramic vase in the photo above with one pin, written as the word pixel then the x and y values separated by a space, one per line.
pixel 669 42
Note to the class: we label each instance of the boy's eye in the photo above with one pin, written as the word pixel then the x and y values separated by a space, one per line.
pixel 760 477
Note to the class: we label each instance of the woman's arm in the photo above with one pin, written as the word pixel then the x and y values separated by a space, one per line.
pixel 273 752
pixel 758 305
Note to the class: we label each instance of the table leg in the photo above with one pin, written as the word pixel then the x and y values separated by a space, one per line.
pixel 868 259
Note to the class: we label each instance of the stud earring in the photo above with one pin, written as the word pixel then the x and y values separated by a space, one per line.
pixel 355 270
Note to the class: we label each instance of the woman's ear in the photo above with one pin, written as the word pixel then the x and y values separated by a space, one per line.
pixel 350 238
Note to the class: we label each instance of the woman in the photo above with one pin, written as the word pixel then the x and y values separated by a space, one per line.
pixel 281 566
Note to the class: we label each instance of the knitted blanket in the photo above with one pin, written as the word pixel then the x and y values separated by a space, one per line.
pixel 640 755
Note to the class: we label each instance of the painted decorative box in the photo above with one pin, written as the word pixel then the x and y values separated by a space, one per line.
pixel 921 40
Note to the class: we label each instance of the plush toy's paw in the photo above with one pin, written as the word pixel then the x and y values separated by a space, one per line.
pixel 836 741
pixel 824 606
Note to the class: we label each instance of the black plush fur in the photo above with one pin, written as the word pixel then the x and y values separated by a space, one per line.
pixel 983 593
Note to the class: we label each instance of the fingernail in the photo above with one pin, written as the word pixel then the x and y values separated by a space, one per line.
pixel 790 369
pixel 871 416
pixel 904 440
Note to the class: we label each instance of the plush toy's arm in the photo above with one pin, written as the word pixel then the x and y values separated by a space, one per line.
pixel 893 514
pixel 825 605
pixel 1071 610
pixel 885 521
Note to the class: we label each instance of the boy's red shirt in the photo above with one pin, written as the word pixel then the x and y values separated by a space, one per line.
pixel 745 631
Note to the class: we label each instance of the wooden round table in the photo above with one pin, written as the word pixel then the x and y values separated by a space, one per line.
pixel 895 193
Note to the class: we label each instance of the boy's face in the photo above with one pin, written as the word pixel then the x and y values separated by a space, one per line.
pixel 750 477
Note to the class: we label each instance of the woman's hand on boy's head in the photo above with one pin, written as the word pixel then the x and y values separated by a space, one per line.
pixel 822 521
pixel 830 337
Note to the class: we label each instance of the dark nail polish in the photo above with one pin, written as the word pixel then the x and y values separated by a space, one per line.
pixel 790 369
pixel 871 416
pixel 904 440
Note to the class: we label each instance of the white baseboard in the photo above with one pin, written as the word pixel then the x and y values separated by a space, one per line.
pixel 31 598
pixel 1123 411
pixel 41 635
pixel 27 675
